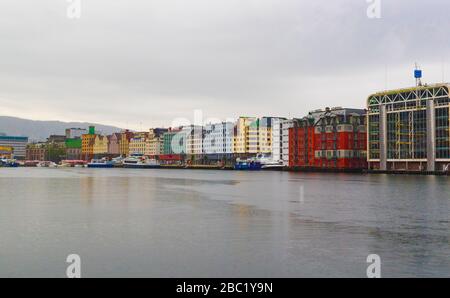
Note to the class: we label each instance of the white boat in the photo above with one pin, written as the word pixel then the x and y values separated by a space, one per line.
pixel 46 164
pixel 140 162
pixel 267 163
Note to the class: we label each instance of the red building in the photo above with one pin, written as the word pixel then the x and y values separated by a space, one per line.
pixel 331 139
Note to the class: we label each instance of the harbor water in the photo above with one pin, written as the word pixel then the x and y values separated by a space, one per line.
pixel 200 223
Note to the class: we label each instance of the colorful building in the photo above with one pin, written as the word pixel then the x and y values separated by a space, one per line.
pixel 124 144
pixel 37 151
pixel 245 137
pixel 137 145
pixel 18 144
pixel 100 145
pixel 114 144
pixel 265 135
pixel 329 139
pixel 408 129
pixel 6 152
pixel 73 149
pixel 174 142
pixel 87 144
pixel 155 142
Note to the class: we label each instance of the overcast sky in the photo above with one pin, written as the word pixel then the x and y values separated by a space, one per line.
pixel 140 64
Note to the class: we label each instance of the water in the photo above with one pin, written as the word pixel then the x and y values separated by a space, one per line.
pixel 181 223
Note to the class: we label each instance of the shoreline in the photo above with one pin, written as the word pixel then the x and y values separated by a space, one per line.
pixel 286 169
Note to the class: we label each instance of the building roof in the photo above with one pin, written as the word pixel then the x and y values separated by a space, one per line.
pixel 13 138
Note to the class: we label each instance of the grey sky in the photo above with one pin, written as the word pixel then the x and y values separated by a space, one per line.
pixel 127 62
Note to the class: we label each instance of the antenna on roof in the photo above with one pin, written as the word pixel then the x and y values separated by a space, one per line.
pixel 418 76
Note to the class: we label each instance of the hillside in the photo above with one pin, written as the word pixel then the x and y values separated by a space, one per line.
pixel 40 130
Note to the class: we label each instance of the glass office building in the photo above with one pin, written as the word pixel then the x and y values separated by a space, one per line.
pixel 408 129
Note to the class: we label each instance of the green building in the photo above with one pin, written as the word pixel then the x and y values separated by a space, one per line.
pixel 174 142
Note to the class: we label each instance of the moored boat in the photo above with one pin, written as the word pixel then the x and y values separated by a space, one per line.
pixel 9 163
pixel 46 164
pixel 247 165
pixel 100 163
pixel 140 162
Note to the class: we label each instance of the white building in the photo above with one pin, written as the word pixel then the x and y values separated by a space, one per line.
pixel 194 139
pixel 285 125
pixel 218 138
pixel 72 133
pixel 277 139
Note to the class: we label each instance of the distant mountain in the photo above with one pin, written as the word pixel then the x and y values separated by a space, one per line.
pixel 40 130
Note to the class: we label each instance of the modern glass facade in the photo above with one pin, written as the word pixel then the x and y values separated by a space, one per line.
pixel 408 129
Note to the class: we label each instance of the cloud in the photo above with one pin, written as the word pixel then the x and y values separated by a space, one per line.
pixel 127 62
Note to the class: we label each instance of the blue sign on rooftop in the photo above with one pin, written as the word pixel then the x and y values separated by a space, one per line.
pixel 417 73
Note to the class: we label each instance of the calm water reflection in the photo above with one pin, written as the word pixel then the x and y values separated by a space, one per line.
pixel 177 223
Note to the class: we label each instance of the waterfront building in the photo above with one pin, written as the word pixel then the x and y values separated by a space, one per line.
pixel 174 141
pixel 265 135
pixel 194 139
pixel 73 149
pixel 285 126
pixel 100 145
pixel 154 145
pixel 87 144
pixel 218 138
pixel 124 144
pixel 277 139
pixel 6 152
pixel 245 137
pixel 137 144
pixel 37 151
pixel 18 144
pixel 75 133
pixel 253 135
pixel 408 129
pixel 329 139
pixel 114 144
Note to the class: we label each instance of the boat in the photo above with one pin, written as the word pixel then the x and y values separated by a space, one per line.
pixel 9 163
pixel 140 162
pixel 249 164
pixel 72 164
pixel 46 164
pixel 267 163
pixel 100 163
pixel 118 161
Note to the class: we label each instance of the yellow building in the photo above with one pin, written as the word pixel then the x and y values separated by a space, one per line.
pixel 241 138
pixel 253 135
pixel 100 145
pixel 124 143
pixel 6 152
pixel 265 135
pixel 87 146
pixel 154 146
pixel 137 145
